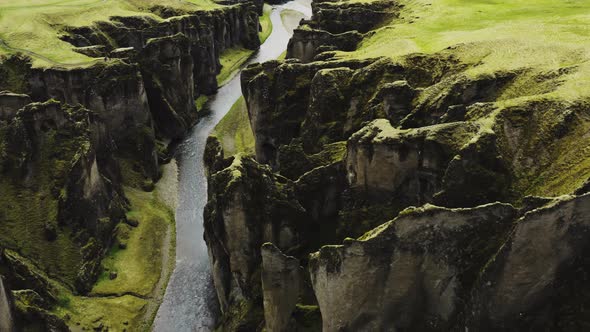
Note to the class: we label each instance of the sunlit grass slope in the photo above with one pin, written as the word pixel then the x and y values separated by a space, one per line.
pixel 493 35
pixel 35 25
pixel 534 40
pixel 234 132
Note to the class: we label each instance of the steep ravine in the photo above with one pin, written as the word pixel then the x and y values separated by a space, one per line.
pixel 190 300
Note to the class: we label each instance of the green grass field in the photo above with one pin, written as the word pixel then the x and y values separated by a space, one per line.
pixel 492 36
pixel 231 61
pixel 265 23
pixel 534 38
pixel 130 297
pixel 35 25
pixel 234 132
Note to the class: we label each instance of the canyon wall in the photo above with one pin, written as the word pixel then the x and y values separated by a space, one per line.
pixel 409 192
pixel 71 138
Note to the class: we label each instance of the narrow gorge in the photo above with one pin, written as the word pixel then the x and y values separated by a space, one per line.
pixel 304 165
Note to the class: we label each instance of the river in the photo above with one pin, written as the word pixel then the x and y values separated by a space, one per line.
pixel 190 303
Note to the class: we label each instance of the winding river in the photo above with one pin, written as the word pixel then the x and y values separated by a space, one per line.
pixel 190 301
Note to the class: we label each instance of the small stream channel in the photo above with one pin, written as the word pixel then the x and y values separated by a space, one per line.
pixel 190 302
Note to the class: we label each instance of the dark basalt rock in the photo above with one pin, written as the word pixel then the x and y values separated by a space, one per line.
pixel 540 277
pixel 33 313
pixel 209 33
pixel 383 162
pixel 413 273
pixel 6 308
pixel 167 70
pixel 116 93
pixel 247 207
pixel 281 283
pixel 306 43
pixel 10 103
pixel 339 17
pixel 76 176
pixel 270 94
pixel 359 143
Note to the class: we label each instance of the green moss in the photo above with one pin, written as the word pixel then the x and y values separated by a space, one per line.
pixel 34 26
pixel 547 145
pixel 201 101
pixel 14 72
pixel 231 60
pixel 234 131
pixel 129 301
pixel 331 153
pixel 265 23
pixel 138 266
pixel 354 222
pixel 29 213
pixel 242 316
pixel 115 313
pixel 308 318
pixel 132 173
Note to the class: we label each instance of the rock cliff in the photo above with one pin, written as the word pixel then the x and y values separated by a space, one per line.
pixel 429 185
pixel 6 309
pixel 72 136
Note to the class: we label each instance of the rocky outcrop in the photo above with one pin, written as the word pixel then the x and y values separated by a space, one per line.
pixel 360 142
pixel 281 283
pixel 337 26
pixel 59 172
pixel 6 309
pixel 10 103
pixel 248 206
pixel 409 164
pixel 413 273
pixel 338 17
pixel 539 278
pixel 270 94
pixel 167 70
pixel 209 33
pixel 434 269
pixel 306 43
pixel 116 92
pixel 34 296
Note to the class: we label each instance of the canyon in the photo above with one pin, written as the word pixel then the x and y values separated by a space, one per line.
pixel 402 166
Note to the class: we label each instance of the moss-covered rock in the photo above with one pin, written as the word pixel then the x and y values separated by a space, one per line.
pixel 248 206
pixel 412 273
pixel 281 283
pixel 60 186
pixel 382 160
pixel 539 278
pixel 349 15
pixel 307 43
pixel 167 70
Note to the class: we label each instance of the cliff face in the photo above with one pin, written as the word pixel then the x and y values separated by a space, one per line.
pixel 363 142
pixel 70 138
pixel 238 224
pixel 209 33
pixel 60 174
pixel 6 308
pixel 417 269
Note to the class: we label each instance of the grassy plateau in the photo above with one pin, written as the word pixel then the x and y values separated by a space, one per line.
pixel 35 25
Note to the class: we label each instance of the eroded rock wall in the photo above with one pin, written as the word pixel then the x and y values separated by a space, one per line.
pixel 59 173
pixel 361 143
